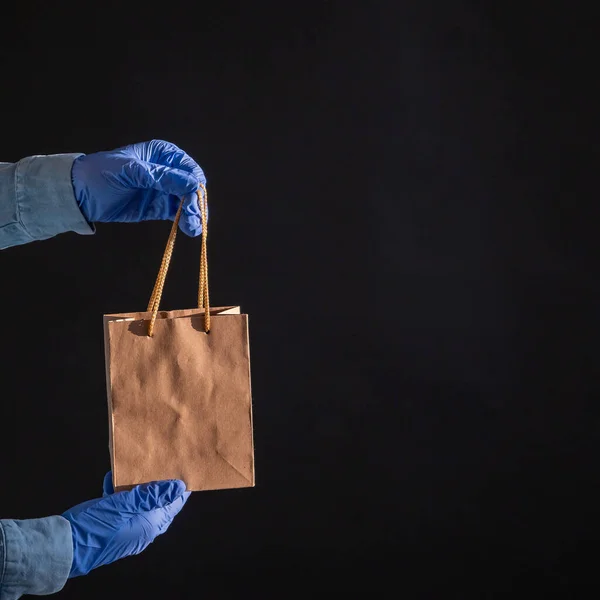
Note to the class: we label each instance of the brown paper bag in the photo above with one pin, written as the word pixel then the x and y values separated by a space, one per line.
pixel 179 391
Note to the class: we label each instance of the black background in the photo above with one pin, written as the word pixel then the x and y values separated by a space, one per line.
pixel 404 201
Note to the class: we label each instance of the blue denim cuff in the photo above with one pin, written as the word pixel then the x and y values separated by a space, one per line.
pixel 36 557
pixel 45 199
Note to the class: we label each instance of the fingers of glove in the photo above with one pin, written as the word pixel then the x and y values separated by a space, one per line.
pixel 107 485
pixel 191 220
pixel 146 175
pixel 165 206
pixel 147 497
pixel 191 226
pixel 166 154
pixel 161 518
pixel 185 162
pixel 150 150
pixel 160 207
pixel 155 151
pixel 173 509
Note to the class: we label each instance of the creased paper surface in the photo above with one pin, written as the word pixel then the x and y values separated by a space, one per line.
pixel 180 402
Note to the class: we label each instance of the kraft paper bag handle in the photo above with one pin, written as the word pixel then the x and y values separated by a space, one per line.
pixel 203 297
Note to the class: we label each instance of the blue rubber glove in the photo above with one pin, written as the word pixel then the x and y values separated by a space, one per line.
pixel 141 182
pixel 122 524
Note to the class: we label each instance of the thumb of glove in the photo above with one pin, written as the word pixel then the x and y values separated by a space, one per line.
pixel 107 486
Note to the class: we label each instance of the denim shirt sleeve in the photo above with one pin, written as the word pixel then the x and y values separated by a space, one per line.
pixel 37 200
pixel 35 556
